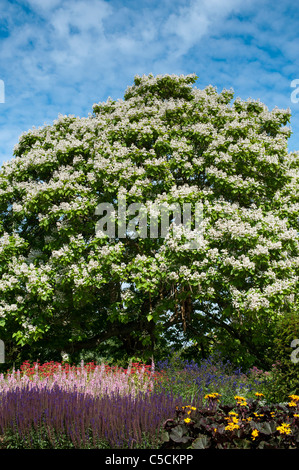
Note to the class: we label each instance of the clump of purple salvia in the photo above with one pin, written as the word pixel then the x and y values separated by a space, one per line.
pixel 85 420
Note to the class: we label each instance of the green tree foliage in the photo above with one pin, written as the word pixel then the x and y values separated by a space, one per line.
pixel 65 287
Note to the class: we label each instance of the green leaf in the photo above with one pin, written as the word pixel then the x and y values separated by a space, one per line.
pixel 177 434
pixel 242 443
pixel 201 442
pixel 165 436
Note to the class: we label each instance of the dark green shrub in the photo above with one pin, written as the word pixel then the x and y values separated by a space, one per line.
pixel 286 368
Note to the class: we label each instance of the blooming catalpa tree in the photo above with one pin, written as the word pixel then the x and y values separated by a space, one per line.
pixel 68 282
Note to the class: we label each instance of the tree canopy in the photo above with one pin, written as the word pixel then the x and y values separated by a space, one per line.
pixel 66 287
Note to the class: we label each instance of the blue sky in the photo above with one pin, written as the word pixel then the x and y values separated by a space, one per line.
pixel 62 56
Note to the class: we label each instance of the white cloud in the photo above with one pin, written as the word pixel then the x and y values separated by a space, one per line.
pixel 200 18
pixel 80 17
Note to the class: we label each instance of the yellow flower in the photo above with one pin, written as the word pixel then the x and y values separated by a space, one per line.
pixel 254 434
pixel 190 408
pixel 292 403
pixel 241 400
pixel 233 421
pixel 296 415
pixel 284 428
pixel 231 427
pixel 294 397
pixel 233 413
pixel 187 420
pixel 257 394
pixel 213 396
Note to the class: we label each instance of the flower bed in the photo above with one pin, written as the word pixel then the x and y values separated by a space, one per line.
pixel 55 405
pixel 244 424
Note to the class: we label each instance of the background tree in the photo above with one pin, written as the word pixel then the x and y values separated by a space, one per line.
pixel 65 288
